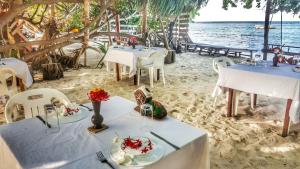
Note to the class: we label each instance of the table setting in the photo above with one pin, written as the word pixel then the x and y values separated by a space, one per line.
pixel 277 78
pixel 126 55
pixel 106 133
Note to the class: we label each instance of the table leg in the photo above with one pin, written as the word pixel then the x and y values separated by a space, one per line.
pixel 158 74
pixel 21 84
pixel 135 79
pixel 286 122
pixel 118 72
pixel 254 100
pixel 229 104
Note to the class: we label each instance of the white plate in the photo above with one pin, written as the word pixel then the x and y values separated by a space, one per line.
pixel 153 156
pixel 82 114
pixel 296 70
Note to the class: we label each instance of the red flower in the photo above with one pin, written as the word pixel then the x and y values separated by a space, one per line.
pixel 98 94
pixel 133 40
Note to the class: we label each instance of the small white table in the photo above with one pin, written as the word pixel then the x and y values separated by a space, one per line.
pixel 281 82
pixel 25 144
pixel 128 57
pixel 21 68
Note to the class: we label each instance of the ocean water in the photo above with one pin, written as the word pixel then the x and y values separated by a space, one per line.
pixel 244 34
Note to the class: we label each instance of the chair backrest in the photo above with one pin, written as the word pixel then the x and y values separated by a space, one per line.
pixel 6 73
pixel 33 102
pixel 158 59
pixel 221 62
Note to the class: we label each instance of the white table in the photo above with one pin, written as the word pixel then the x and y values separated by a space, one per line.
pixel 128 56
pixel 21 68
pixel 281 82
pixel 25 144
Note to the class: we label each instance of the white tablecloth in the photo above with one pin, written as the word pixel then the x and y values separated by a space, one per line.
pixel 25 144
pixel 128 56
pixel 281 82
pixel 21 68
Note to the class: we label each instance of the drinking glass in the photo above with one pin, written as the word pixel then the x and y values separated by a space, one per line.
pixel 146 110
pixel 51 118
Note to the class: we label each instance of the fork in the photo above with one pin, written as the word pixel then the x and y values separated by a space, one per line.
pixel 102 159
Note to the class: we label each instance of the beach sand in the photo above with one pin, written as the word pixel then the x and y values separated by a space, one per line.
pixel 249 141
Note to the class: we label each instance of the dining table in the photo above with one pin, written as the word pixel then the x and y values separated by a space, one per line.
pixel 127 56
pixel 27 144
pixel 280 81
pixel 22 71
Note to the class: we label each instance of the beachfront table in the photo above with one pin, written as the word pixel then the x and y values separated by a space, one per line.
pixel 128 56
pixel 26 144
pixel 22 71
pixel 281 82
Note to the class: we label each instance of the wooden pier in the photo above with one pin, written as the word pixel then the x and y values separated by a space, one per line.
pixel 216 50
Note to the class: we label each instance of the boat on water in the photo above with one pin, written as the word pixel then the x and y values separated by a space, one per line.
pixel 263 27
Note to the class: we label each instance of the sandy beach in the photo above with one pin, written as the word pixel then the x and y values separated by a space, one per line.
pixel 249 141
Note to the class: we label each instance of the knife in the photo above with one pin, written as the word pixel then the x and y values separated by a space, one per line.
pixel 166 141
pixel 43 121
pixel 86 107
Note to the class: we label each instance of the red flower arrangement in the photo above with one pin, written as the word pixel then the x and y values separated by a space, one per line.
pixel 136 144
pixel 98 95
pixel 133 40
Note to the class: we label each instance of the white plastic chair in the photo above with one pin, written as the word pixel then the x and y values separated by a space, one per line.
pixel 6 73
pixel 33 102
pixel 152 63
pixel 221 61
pixel 225 62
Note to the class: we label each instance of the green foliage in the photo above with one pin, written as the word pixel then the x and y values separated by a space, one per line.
pixel 76 21
pixel 288 6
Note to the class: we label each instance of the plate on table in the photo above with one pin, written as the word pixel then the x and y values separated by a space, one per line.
pixel 141 155
pixel 80 115
pixel 297 69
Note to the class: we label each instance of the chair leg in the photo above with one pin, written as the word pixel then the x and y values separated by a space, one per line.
pixel 151 73
pixel 107 67
pixel 215 101
pixel 138 76
pixel 163 76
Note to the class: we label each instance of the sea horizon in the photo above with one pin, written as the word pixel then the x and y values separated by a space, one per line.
pixel 243 34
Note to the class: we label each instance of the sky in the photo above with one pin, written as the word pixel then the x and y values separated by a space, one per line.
pixel 214 12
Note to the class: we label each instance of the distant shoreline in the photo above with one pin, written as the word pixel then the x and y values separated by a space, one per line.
pixel 244 22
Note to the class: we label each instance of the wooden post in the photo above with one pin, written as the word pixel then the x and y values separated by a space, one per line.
pixel 229 104
pixel 286 122
pixel 86 16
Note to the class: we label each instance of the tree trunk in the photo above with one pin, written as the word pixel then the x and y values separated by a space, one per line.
pixel 266 28
pixel 108 27
pixel 87 31
pixel 117 20
pixel 144 17
pixel 52 71
pixel 166 44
